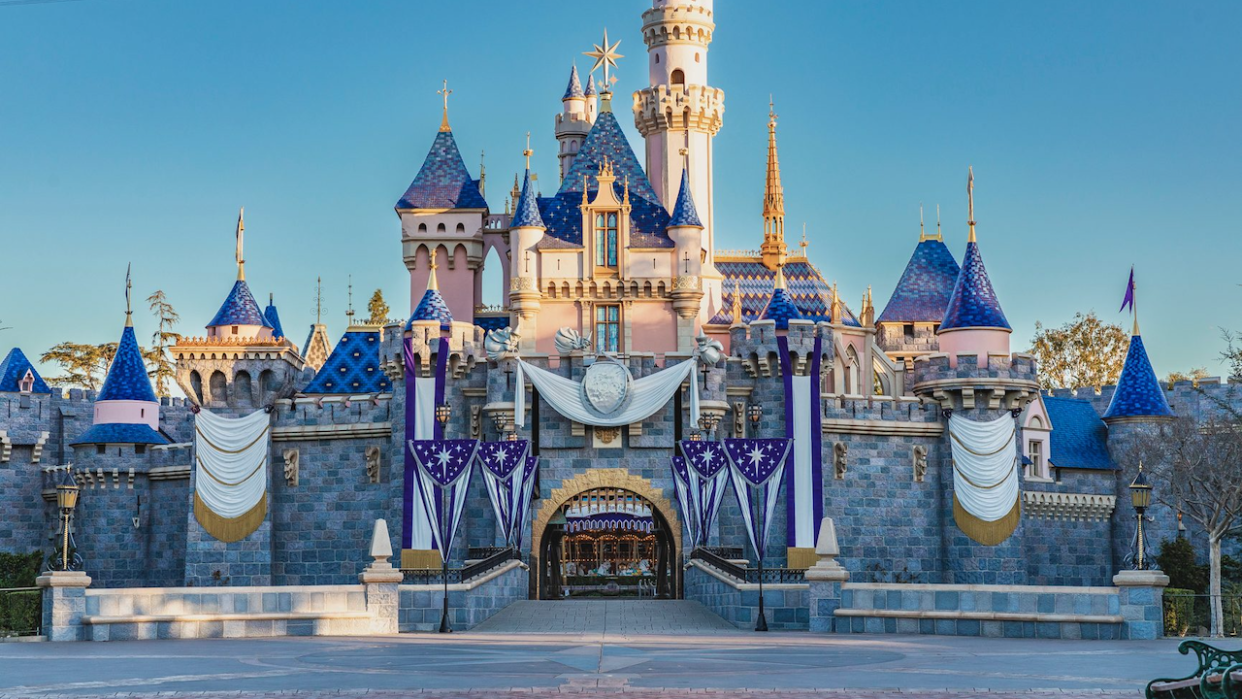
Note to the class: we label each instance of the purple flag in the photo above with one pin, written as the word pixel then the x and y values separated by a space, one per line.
pixel 757 459
pixel 1129 299
pixel 706 458
pixel 444 460
pixel 502 458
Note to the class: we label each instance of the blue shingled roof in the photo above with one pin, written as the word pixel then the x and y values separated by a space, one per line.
pixel 432 307
pixel 443 181
pixel 1138 393
pixel 239 308
pixel 273 319
pixel 120 433
pixel 590 86
pixel 127 377
pixel 563 218
pixel 1079 437
pixel 353 366
pixel 781 309
pixel 492 323
pixel 922 294
pixel 574 89
pixel 13 369
pixel 973 303
pixel 803 284
pixel 684 212
pixel 526 213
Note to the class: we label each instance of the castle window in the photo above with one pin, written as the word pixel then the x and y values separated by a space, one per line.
pixel 696 57
pixel 1035 452
pixel 140 448
pixel 607 328
pixel 461 229
pixel 908 330
pixel 678 77
pixel 657 58
pixel 606 239
pixel 101 448
pixel 234 329
pixel 27 384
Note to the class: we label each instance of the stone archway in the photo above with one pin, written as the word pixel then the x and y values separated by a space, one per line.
pixel 604 478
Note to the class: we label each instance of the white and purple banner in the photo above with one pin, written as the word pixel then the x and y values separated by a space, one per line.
pixel 706 478
pixel 804 487
pixel 443 482
pixel 505 475
pixel 756 467
pixel 422 395
pixel 686 501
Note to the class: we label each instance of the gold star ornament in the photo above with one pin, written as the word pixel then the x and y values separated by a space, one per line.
pixel 605 56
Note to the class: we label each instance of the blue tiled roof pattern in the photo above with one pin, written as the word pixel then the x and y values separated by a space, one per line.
pixel 1138 393
pixel 563 218
pixel 684 212
pixel 239 308
pixel 493 323
pixel 273 319
pixel 526 213
pixel 432 307
pixel 922 294
pixel 590 86
pixel 443 181
pixel 1079 437
pixel 353 366
pixel 127 377
pixel 973 303
pixel 120 433
pixel 13 369
pixel 781 309
pixel 574 89
pixel 803 283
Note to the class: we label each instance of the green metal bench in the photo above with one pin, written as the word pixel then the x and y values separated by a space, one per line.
pixel 1219 675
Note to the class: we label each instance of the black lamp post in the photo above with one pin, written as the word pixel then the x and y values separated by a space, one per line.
pixel 1140 497
pixel 755 412
pixel 444 411
pixel 66 500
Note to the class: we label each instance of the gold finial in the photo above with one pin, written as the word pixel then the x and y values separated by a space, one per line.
pixel 528 152
pixel 780 277
pixel 432 284
pixel 241 229
pixel 483 173
pixel 445 92
pixel 626 200
pixel 349 308
pixel 586 181
pixel 804 244
pixel 970 203
pixel 129 311
pixel 939 235
pixel 835 312
pixel 922 231
pixel 737 302
pixel 605 56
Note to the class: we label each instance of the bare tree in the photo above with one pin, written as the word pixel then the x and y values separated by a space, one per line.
pixel 1196 465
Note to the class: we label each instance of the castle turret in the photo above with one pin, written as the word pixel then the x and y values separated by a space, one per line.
pixel 273 317
pixel 240 316
pixel 591 100
pixel 781 308
pixel 973 321
pixel 907 326
pixel 1139 395
pixel 526 229
pixel 432 312
pixel 573 123
pixel 685 228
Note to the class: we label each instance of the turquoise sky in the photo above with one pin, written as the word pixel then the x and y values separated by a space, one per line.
pixel 1102 133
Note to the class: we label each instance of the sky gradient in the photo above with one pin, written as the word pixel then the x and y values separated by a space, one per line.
pixel 1102 134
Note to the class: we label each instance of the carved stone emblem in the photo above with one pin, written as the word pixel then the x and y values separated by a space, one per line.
pixel 920 463
pixel 372 454
pixel 606 386
pixel 840 458
pixel 291 467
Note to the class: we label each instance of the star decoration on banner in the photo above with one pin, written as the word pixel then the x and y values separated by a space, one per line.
pixel 502 458
pixel 707 458
pixel 445 459
pixel 757 459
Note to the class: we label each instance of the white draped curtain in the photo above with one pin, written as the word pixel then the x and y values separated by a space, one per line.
pixel 985 477
pixel 231 465
pixel 647 395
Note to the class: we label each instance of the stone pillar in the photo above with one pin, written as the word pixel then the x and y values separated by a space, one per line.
pixel 826 578
pixel 380 581
pixel 64 603
pixel 1142 603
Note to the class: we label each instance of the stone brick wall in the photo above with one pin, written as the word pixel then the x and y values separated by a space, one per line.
pixel 420 605
pixel 786 607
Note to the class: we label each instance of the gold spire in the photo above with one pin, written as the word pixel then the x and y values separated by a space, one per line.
pixel 922 230
pixel 129 311
pixel 773 249
pixel 804 244
pixel 349 308
pixel 1134 305
pixel 939 235
pixel 241 260
pixel 432 284
pixel 445 92
pixel 970 202
pixel 527 153
pixel 835 311
pixel 626 200
pixel 483 173
pixel 780 277
pixel 737 302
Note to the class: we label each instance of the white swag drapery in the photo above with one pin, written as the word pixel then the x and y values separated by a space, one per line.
pixel 985 477
pixel 647 395
pixel 231 465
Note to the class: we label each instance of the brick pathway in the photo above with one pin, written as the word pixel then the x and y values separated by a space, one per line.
pixel 607 617
pixel 619 693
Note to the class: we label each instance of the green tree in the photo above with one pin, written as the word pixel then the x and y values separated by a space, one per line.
pixel 378 309
pixel 164 368
pixel 1177 560
pixel 84 365
pixel 1233 353
pixel 1084 352
pixel 1192 376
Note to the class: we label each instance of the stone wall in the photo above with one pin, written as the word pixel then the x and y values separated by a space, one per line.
pixel 469 604
pixel 786 606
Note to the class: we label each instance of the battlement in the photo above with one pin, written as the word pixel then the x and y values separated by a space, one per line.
pixel 465 348
pixel 1002 381
pixel 703 104
pixel 1201 398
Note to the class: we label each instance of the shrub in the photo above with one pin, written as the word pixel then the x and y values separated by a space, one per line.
pixel 1177 560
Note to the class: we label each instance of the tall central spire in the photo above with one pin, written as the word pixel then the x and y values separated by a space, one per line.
pixel 773 249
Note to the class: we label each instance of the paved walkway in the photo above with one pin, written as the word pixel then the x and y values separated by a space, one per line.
pixel 483 664
pixel 607 618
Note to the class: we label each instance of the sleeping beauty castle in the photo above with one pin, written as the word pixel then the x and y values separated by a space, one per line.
pixel 645 414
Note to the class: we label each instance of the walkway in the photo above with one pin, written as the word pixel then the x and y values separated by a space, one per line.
pixel 607 618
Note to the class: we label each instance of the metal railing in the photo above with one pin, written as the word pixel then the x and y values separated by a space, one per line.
pixel 21 611
pixel 434 576
pixel 748 574
pixel 1191 614
pixel 730 552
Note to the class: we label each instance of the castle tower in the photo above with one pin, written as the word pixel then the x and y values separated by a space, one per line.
pixel 679 109
pixel 526 229
pixel 432 313
pixel 273 317
pixel 907 326
pixel 773 248
pixel 685 228
pixel 573 123
pixel 591 100
pixel 973 322
pixel 442 216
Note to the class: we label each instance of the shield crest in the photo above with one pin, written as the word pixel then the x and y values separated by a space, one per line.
pixel 606 386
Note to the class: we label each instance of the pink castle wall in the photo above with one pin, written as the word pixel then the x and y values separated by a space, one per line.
pixel 128 412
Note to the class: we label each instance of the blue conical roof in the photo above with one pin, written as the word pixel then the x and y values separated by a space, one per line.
pixel 127 377
pixel 526 213
pixel 239 308
pixel 781 307
pixel 574 89
pixel 1138 391
pixel 973 303
pixel 684 213
pixel 273 318
pixel 922 295
pixel 13 369
pixel 443 181
pixel 590 86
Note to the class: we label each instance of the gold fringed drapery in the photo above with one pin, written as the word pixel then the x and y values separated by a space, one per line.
pixel 987 533
pixel 228 529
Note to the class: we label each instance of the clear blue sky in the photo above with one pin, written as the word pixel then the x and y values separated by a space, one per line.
pixel 1102 134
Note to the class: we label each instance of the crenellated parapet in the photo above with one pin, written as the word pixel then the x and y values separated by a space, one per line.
pixel 695 107
pixel 756 346
pixel 993 381
pixel 238 372
pixel 465 343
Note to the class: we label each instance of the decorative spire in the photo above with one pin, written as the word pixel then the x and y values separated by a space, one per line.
pixel 241 229
pixel 574 89
pixel 780 278
pixel 526 210
pixel 835 309
pixel 804 244
pixel 684 211
pixel 445 92
pixel 605 56
pixel 970 202
pixel 939 235
pixel 737 302
pixel 483 173
pixel 318 300
pixel 432 284
pixel 773 249
pixel 349 309
pixel 922 231
pixel 129 311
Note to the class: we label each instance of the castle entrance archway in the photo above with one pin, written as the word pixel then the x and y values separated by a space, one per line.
pixel 606 533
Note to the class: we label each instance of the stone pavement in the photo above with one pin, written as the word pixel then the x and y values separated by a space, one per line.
pixel 609 617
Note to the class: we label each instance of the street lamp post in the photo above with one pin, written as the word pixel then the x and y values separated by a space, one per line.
pixel 755 413
pixel 1140 497
pixel 67 500
pixel 444 411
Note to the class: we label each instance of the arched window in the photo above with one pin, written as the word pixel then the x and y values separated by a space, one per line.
pixel 196 384
pixel 27 384
pixel 1036 423
pixel 219 387
pixel 242 389
pixel 422 228
pixel 696 57
pixel 441 229
pixel 461 228
pixel 678 77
